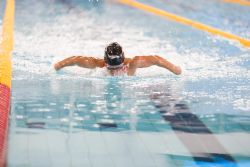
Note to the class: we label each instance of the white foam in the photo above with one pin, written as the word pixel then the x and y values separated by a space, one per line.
pixel 48 43
pixel 242 104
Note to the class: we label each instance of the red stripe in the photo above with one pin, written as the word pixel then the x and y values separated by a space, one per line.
pixel 4 115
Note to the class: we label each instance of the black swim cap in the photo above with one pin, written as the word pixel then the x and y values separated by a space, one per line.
pixel 114 55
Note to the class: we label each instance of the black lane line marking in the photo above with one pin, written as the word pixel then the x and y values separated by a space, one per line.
pixel 36 125
pixel 107 125
pixel 190 129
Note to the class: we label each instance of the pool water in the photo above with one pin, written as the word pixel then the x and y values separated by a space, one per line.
pixel 78 117
pixel 122 122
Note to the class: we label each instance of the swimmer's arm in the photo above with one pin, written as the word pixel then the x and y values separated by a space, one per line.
pixel 85 62
pixel 147 61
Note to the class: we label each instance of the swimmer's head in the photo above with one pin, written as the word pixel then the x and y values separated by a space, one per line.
pixel 114 56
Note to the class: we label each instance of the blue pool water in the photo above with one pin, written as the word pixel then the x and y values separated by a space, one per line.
pixel 78 117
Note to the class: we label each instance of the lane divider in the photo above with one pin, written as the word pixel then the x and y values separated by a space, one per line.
pixel 240 2
pixel 6 47
pixel 185 21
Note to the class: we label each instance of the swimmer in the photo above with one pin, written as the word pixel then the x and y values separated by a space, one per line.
pixel 116 63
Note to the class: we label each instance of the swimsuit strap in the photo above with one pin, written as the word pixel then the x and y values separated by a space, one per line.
pixel 121 71
pixel 125 68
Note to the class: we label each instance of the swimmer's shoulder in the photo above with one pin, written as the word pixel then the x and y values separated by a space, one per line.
pixel 127 61
pixel 100 62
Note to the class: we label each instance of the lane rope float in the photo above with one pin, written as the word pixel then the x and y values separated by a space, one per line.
pixel 240 2
pixel 6 47
pixel 185 21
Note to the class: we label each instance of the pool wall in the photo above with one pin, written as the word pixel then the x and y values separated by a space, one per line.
pixel 6 48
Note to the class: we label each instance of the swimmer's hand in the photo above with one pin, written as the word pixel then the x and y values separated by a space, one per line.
pixel 57 66
pixel 177 70
pixel 66 62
